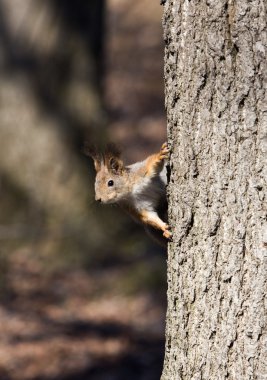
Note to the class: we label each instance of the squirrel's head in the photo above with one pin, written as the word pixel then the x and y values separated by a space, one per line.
pixel 111 184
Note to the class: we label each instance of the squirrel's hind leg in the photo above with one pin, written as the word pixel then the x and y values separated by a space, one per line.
pixel 151 218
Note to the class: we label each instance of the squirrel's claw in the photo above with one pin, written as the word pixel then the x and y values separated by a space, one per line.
pixel 167 233
pixel 164 151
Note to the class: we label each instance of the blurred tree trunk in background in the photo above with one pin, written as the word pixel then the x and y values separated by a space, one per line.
pixel 50 96
pixel 215 97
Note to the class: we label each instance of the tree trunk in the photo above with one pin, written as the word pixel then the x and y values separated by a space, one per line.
pixel 214 77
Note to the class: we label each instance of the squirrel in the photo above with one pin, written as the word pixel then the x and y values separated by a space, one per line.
pixel 139 189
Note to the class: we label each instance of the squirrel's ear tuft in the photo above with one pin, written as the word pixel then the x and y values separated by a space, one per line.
pixel 112 150
pixel 113 160
pixel 115 165
pixel 90 150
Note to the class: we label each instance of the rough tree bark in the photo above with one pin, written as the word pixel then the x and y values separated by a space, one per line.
pixel 214 77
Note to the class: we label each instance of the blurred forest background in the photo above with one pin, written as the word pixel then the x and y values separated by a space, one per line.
pixel 82 288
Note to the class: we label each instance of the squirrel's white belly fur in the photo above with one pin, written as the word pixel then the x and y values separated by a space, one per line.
pixel 148 193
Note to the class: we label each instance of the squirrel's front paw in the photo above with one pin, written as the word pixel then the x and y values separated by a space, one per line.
pixel 167 233
pixel 164 152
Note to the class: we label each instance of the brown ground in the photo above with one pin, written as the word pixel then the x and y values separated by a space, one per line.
pixel 77 325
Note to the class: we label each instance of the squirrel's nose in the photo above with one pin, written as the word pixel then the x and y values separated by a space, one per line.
pixel 98 199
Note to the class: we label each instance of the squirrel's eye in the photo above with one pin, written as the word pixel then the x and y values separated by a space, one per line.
pixel 110 182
